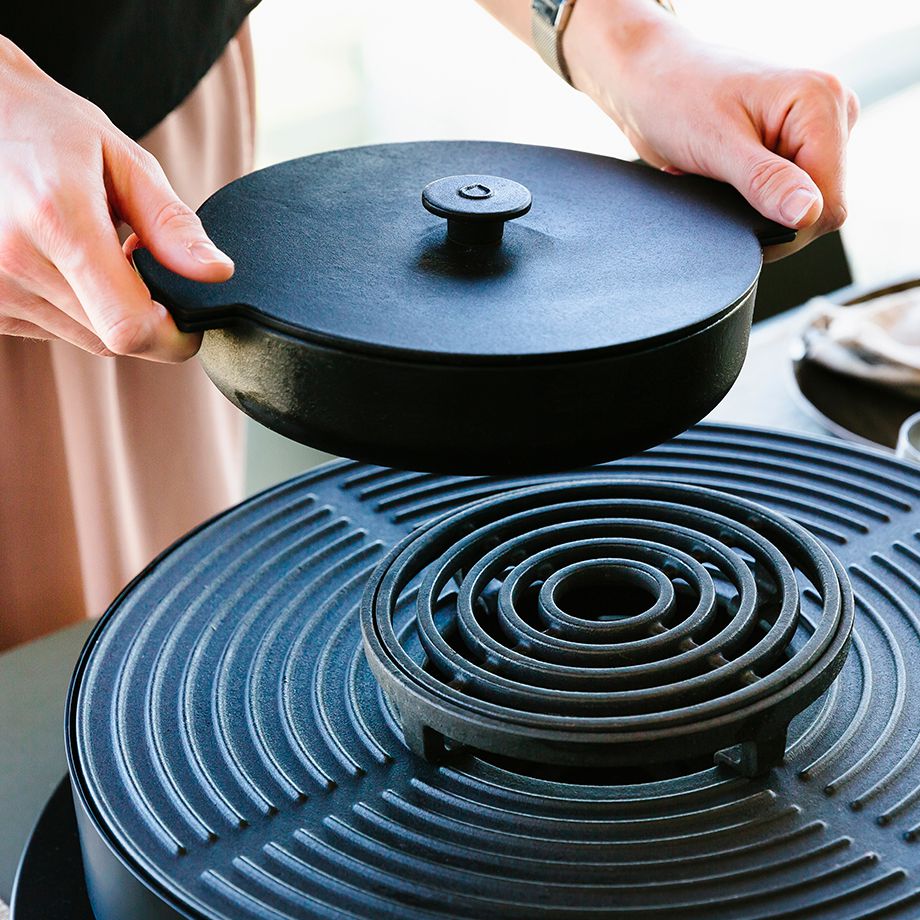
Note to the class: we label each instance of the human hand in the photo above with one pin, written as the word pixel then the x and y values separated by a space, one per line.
pixel 69 177
pixel 777 134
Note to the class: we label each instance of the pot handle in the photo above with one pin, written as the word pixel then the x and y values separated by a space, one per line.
pixel 210 311
pixel 772 234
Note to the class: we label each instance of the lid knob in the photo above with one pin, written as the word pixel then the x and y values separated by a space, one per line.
pixel 476 207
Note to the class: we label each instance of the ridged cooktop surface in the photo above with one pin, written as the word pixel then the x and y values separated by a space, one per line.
pixel 235 748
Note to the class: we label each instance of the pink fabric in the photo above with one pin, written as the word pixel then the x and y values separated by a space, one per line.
pixel 104 462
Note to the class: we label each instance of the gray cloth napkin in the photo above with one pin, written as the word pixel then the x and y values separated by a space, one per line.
pixel 878 341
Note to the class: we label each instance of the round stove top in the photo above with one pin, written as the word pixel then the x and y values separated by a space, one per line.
pixel 229 742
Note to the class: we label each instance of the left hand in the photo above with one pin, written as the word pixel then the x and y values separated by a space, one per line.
pixel 777 134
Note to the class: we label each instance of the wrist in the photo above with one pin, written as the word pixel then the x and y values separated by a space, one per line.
pixel 609 41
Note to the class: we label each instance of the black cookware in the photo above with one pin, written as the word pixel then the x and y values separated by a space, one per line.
pixel 637 643
pixel 474 307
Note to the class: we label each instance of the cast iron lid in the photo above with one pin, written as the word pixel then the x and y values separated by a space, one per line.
pixel 543 252
pixel 230 742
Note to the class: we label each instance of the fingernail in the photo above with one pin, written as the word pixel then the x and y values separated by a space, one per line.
pixel 207 253
pixel 797 204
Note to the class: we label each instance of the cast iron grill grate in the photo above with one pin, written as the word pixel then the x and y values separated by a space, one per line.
pixel 687 635
pixel 229 741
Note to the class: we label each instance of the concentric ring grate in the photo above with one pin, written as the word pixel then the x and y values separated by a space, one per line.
pixel 465 625
pixel 229 741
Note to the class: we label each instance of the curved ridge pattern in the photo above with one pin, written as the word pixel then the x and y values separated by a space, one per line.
pixel 607 622
pixel 233 745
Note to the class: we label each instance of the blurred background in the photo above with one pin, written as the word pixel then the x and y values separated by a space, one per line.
pixel 354 72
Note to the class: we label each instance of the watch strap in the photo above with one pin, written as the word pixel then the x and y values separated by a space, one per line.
pixel 545 21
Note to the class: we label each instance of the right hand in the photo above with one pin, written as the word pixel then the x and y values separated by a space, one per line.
pixel 778 134
pixel 69 177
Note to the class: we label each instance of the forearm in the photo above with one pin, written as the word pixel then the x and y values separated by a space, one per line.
pixel 614 28
pixel 604 45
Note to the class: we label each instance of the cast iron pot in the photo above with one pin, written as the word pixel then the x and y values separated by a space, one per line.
pixel 574 309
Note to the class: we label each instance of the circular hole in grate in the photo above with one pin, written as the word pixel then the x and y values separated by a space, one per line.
pixel 605 596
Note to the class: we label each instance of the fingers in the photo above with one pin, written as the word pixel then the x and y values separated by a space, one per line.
pixel 778 188
pixel 63 250
pixel 36 318
pixel 116 302
pixel 852 103
pixel 39 277
pixel 799 180
pixel 130 244
pixel 41 296
pixel 27 315
pixel 815 135
pixel 22 329
pixel 67 173
pixel 142 196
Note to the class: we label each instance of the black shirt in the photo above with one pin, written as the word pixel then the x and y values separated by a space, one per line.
pixel 136 59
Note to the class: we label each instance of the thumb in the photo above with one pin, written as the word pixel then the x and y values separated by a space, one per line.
pixel 775 186
pixel 142 196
